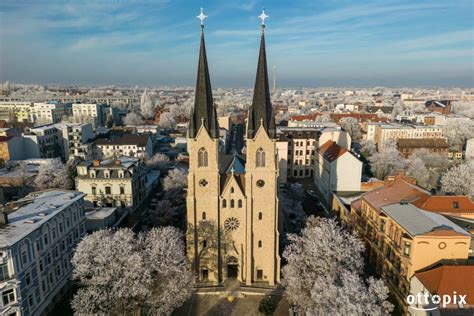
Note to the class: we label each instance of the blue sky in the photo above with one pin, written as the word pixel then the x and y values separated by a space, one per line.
pixel 312 43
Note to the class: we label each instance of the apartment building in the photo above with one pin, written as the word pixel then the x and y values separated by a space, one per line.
pixel 386 132
pixel 139 146
pixel 43 142
pixel 47 113
pixel 78 140
pixel 407 146
pixel 121 182
pixel 400 237
pixel 15 111
pixel 336 169
pixel 95 113
pixel 37 237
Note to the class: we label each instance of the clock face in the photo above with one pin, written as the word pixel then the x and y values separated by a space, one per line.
pixel 203 182
pixel 231 223
pixel 260 183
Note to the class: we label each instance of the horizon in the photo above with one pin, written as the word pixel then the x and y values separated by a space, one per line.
pixel 394 44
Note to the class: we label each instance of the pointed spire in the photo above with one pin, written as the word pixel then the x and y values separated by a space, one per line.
pixel 261 111
pixel 204 112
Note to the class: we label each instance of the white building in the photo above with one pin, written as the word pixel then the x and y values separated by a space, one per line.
pixel 77 140
pixel 121 182
pixel 47 113
pixel 37 237
pixel 385 132
pixel 139 146
pixel 336 169
pixel 43 142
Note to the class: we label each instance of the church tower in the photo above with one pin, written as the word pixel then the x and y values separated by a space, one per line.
pixel 232 204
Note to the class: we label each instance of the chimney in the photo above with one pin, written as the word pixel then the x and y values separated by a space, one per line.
pixel 96 163
pixel 3 218
pixel 117 162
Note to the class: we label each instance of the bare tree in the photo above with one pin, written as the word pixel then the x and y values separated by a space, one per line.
pixel 133 118
pixel 148 103
pixel 123 274
pixel 457 131
pixel 323 273
pixel 176 179
pixel 167 121
pixel 52 174
pixel 387 161
pixel 426 167
pixel 351 126
pixel 367 148
pixel 158 161
pixel 459 180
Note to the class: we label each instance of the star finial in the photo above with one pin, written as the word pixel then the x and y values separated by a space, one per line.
pixel 201 17
pixel 263 16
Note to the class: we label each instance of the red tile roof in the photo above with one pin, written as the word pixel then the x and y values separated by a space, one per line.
pixel 5 138
pixel 331 151
pixel 454 205
pixel 446 279
pixel 394 192
pixel 309 117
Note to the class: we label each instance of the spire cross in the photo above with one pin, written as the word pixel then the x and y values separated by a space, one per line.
pixel 201 17
pixel 263 16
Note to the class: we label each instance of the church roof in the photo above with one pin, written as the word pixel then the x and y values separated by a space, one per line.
pixel 229 162
pixel 261 111
pixel 204 112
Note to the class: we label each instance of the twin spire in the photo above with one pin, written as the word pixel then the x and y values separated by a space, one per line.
pixel 204 112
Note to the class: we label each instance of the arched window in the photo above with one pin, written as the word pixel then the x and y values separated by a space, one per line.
pixel 260 158
pixel 203 216
pixel 224 203
pixel 232 203
pixel 259 244
pixel 232 190
pixel 239 203
pixel 202 157
pixel 260 215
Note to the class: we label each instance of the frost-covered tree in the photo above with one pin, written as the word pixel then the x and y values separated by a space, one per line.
pixel 167 121
pixel 459 180
pixel 387 161
pixel 175 180
pixel 132 118
pixel 148 104
pixel 158 161
pixel 323 118
pixel 52 174
pixel 457 131
pixel 323 273
pixel 465 108
pixel 181 112
pixel 426 167
pixel 367 148
pixel 119 273
pixel 351 126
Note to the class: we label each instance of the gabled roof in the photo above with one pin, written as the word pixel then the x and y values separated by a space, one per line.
pixel 331 151
pixel 448 204
pixel 447 279
pixel 394 192
pixel 239 178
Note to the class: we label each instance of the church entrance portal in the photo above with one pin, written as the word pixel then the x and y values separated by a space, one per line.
pixel 232 268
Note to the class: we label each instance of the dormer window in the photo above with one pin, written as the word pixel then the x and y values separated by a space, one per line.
pixel 455 204
pixel 92 173
pixel 107 173
pixel 120 173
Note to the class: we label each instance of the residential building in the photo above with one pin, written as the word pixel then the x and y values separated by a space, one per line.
pixel 47 113
pixel 229 191
pixel 139 146
pixel 95 113
pixel 443 279
pixel 121 182
pixel 78 140
pixel 11 147
pixel 450 205
pixel 43 142
pixel 15 111
pixel 407 146
pixel 386 132
pixel 38 235
pixel 336 169
pixel 441 106
pixel 469 155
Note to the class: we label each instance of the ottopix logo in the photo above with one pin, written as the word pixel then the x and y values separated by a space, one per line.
pixel 438 300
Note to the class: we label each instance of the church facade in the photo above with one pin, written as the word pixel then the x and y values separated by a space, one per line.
pixel 233 212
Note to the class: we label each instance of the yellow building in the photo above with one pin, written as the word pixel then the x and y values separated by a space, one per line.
pixel 232 205
pixel 15 111
pixel 400 238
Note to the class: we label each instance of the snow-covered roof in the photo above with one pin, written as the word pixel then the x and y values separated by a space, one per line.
pixel 101 213
pixel 33 211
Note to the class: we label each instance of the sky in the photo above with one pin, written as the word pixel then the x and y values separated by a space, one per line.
pixel 312 43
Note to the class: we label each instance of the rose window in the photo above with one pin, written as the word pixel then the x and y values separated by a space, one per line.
pixel 231 223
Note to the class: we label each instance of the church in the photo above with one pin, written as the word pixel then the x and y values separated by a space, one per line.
pixel 233 214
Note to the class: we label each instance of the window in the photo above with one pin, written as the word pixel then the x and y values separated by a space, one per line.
pixel 232 190
pixel 38 245
pixel 382 226
pixel 203 216
pixel 53 232
pixel 455 204
pixel 260 159
pixel 260 215
pixel 259 274
pixel 406 249
pixel 8 297
pixel 205 274
pixel 27 279
pixel 259 244
pixel 232 203
pixel 94 190
pixel 239 204
pixel 224 203
pixel 3 272
pixel 108 190
pixel 24 257
pixel 60 227
pixel 122 190
pixel 45 237
pixel 202 157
